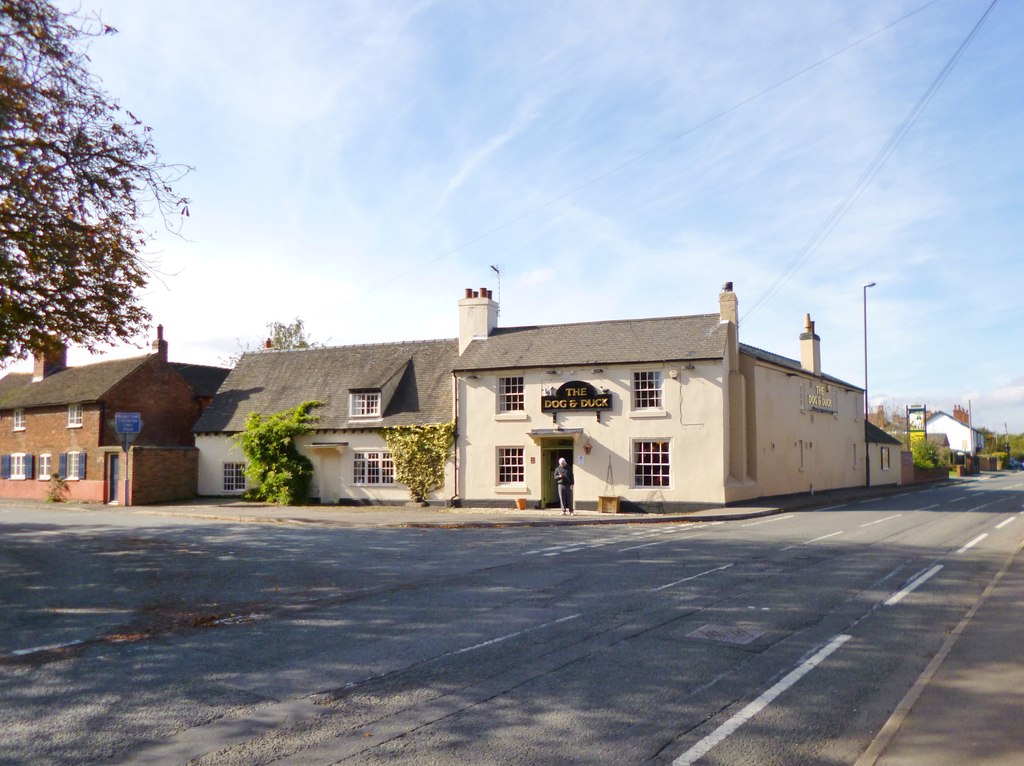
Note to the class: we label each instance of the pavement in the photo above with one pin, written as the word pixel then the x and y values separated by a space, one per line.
pixel 414 515
pixel 965 707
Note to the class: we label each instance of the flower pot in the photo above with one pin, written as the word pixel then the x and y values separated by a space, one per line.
pixel 521 503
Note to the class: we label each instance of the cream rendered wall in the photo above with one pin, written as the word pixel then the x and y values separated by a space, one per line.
pixel 691 419
pixel 885 476
pixel 797 449
pixel 214 451
pixel 332 468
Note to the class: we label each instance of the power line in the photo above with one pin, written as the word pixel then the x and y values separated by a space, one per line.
pixel 872 170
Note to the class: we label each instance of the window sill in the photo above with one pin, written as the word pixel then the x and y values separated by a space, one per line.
pixel 74 425
pixel 511 489
pixel 514 416
pixel 648 414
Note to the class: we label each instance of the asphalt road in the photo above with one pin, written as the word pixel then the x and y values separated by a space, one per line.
pixel 854 634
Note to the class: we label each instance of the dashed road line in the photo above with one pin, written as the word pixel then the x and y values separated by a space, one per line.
pixel 769 521
pixel 815 540
pixel 724 731
pixel 691 577
pixel 973 542
pixel 899 595
pixel 879 521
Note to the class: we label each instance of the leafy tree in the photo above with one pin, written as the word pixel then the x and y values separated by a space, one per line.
pixel 281 336
pixel 420 454
pixel 78 174
pixel 277 470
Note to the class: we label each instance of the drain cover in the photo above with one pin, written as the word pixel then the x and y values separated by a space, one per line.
pixel 727 634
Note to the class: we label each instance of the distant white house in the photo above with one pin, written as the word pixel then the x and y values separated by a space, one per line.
pixel 961 437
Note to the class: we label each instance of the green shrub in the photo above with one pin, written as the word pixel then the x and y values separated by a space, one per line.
pixel 926 455
pixel 420 454
pixel 275 468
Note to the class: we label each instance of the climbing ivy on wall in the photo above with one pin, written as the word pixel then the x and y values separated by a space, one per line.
pixel 420 454
pixel 276 470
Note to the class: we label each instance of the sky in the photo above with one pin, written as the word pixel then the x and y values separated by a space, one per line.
pixel 359 164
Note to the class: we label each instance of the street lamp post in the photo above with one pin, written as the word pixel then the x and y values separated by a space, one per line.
pixel 867 446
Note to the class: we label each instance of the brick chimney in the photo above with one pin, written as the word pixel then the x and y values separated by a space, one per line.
pixel 478 316
pixel 729 305
pixel 50 360
pixel 160 345
pixel 810 348
pixel 961 415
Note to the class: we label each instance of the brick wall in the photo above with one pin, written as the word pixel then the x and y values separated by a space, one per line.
pixel 164 400
pixel 161 474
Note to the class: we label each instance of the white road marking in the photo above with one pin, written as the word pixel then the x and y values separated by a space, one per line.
pixel 52 647
pixel 816 539
pixel 769 521
pixel 691 577
pixel 1007 521
pixel 656 542
pixel 973 542
pixel 979 507
pixel 724 731
pixel 506 637
pixel 895 598
pixel 887 518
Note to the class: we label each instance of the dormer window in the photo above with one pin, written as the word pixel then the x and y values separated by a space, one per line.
pixel 74 416
pixel 364 404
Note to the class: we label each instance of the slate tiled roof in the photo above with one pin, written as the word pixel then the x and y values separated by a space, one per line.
pixel 876 435
pixel 85 383
pixel 204 380
pixel 622 341
pixel 793 364
pixel 271 381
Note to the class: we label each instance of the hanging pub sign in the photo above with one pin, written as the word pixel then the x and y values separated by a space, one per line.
pixel 917 417
pixel 575 396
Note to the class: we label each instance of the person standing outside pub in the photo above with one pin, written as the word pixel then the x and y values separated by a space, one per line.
pixel 564 478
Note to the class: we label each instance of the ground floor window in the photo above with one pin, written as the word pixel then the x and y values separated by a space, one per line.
pixel 234 477
pixel 885 458
pixel 45 467
pixel 373 467
pixel 20 466
pixel 651 465
pixel 72 465
pixel 511 468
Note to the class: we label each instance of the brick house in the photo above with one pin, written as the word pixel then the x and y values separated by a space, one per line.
pixel 58 419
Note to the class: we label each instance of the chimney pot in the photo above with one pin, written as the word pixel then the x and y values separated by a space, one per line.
pixel 727 287
pixel 469 292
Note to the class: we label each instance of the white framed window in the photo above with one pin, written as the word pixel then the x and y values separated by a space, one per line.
pixel 21 466
pixel 652 465
pixel 647 390
pixel 885 459
pixel 364 404
pixel 511 466
pixel 373 467
pixel 19 420
pixel 74 466
pixel 74 416
pixel 45 467
pixel 234 477
pixel 511 394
